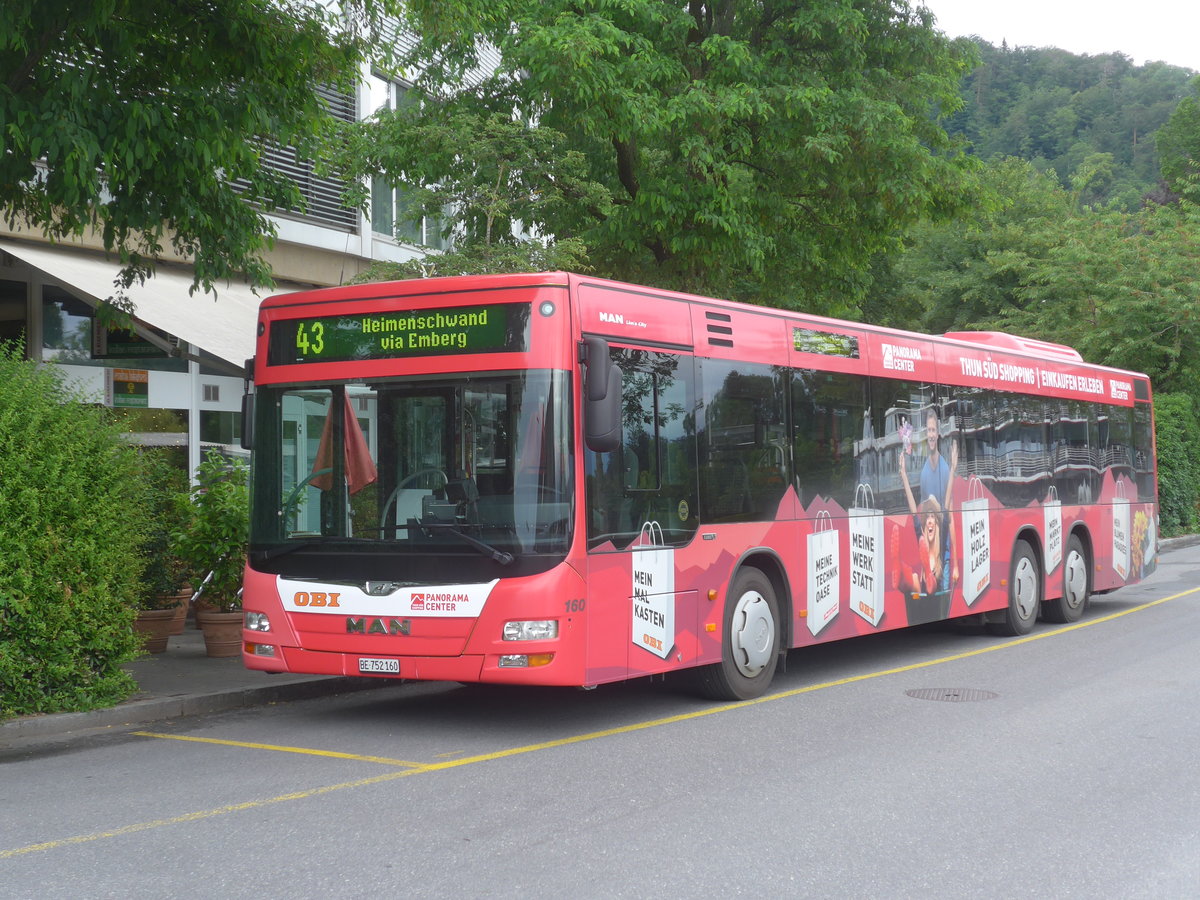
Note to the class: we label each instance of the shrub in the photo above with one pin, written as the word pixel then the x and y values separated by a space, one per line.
pixel 74 520
pixel 165 573
pixel 216 527
pixel 1177 435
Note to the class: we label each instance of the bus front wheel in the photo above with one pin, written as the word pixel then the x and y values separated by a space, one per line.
pixel 750 641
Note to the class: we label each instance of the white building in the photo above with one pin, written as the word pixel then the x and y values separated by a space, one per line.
pixel 185 367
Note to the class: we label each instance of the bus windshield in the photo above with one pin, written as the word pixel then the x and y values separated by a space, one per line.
pixel 475 466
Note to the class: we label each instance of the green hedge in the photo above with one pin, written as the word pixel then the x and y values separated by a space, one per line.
pixel 1177 434
pixel 74 519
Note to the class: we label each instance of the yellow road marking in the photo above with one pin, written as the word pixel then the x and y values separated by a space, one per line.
pixel 332 754
pixel 418 768
pixel 202 814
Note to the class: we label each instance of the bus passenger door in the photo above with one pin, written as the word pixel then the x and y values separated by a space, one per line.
pixel 641 518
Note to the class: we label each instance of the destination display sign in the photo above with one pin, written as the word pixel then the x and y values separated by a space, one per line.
pixel 497 327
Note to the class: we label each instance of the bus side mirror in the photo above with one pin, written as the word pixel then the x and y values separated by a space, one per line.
pixel 601 397
pixel 247 421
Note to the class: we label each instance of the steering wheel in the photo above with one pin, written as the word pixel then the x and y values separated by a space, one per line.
pixel 295 493
pixel 403 483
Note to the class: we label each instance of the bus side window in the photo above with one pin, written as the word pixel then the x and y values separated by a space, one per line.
pixel 651 474
pixel 744 452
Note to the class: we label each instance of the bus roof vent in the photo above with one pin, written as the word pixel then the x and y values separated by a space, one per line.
pixel 1011 342
pixel 724 329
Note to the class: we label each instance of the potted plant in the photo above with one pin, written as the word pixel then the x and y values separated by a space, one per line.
pixel 165 578
pixel 161 599
pixel 215 519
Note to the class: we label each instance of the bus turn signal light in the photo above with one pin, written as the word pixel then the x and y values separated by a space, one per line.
pixel 525 660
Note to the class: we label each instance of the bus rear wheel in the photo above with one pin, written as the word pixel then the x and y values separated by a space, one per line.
pixel 1075 585
pixel 1024 592
pixel 750 645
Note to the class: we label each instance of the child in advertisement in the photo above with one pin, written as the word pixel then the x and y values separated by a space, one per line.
pixel 929 581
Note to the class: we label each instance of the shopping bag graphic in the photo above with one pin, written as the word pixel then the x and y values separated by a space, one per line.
pixel 824 583
pixel 653 592
pixel 977 542
pixel 1052 508
pixel 1120 529
pixel 866 556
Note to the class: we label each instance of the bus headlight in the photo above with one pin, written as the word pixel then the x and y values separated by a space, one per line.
pixel 256 621
pixel 536 630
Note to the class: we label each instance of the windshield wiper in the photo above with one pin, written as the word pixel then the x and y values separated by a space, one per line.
pixel 293 546
pixel 501 556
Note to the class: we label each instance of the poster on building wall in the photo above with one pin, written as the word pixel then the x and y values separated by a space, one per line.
pixel 824 581
pixel 977 542
pixel 653 592
pixel 866 556
pixel 127 388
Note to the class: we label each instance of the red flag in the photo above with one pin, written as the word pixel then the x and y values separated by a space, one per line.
pixel 360 468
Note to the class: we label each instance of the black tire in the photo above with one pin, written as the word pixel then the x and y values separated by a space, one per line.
pixel 1024 593
pixel 1076 585
pixel 750 641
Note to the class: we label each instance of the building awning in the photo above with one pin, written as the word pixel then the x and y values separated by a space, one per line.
pixel 224 326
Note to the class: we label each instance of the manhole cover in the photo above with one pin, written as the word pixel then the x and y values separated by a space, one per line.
pixel 952 695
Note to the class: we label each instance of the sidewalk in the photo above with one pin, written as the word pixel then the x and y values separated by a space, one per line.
pixel 183 681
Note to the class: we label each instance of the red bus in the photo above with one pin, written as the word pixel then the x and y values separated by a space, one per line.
pixel 560 480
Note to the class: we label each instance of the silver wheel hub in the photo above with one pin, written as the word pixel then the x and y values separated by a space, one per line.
pixel 752 633
pixel 1025 588
pixel 1075 577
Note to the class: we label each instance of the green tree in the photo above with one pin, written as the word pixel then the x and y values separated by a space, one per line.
pixel 145 121
pixel 761 151
pixel 74 525
pixel 483 174
pixel 1176 429
pixel 1048 104
pixel 1178 144
pixel 1120 288
pixel 957 274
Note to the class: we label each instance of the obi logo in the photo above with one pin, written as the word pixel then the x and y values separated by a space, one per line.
pixel 436 602
pixel 315 598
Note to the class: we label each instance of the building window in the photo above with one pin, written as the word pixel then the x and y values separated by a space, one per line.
pixel 68 336
pixel 12 311
pixel 393 211
pixel 322 194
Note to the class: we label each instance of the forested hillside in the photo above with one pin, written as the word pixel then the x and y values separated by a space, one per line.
pixel 1059 110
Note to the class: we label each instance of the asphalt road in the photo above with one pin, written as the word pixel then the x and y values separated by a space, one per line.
pixel 921 764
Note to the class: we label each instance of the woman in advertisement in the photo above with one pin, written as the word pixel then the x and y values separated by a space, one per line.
pixel 929 583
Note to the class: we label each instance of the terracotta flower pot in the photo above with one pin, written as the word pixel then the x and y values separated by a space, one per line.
pixel 155 626
pixel 222 631
pixel 178 604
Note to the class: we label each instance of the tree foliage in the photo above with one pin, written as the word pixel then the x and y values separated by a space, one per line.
pixel 145 121
pixel 1176 427
pixel 1118 287
pixel 1059 110
pixel 760 151
pixel 1179 146
pixel 74 525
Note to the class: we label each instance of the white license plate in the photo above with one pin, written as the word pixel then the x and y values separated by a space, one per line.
pixel 388 666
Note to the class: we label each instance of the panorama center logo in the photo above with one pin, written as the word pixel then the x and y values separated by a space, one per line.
pixel 429 602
